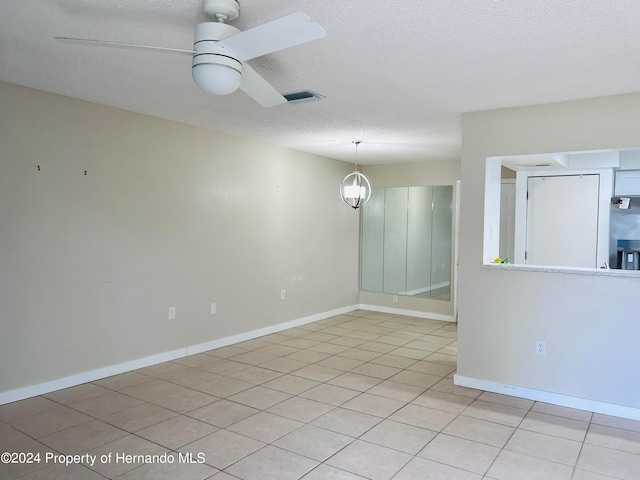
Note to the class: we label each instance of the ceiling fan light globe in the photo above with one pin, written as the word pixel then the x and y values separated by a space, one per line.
pixel 216 79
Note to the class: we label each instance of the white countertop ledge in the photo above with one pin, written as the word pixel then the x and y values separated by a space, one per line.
pixel 573 270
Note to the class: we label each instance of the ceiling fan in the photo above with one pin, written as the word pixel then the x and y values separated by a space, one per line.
pixel 220 51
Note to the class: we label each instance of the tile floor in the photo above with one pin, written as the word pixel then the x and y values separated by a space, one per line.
pixel 358 396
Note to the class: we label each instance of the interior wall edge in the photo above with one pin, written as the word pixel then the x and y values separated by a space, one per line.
pixel 548 397
pixel 104 372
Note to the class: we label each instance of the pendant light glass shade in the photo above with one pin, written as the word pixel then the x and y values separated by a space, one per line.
pixel 356 187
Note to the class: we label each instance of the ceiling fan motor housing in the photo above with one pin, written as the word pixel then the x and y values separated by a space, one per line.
pixel 216 69
pixel 226 10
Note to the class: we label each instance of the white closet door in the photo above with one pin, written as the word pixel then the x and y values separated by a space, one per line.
pixel 562 220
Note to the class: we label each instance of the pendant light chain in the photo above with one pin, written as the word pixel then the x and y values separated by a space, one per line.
pixel 357 143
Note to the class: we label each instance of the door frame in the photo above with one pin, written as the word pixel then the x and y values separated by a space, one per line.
pixel 456 244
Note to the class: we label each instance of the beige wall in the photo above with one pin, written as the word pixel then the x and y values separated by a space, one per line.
pixel 507 173
pixel 167 215
pixel 445 172
pixel 590 323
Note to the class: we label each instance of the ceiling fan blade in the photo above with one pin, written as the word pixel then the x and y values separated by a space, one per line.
pixel 133 46
pixel 259 89
pixel 279 34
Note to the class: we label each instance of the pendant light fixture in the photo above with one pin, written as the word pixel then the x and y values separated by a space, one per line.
pixel 356 187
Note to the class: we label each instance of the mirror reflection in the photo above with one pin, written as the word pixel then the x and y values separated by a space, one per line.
pixel 406 241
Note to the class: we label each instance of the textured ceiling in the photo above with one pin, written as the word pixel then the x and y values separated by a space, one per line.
pixel 396 74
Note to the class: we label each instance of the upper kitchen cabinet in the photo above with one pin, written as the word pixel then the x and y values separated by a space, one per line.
pixel 627 183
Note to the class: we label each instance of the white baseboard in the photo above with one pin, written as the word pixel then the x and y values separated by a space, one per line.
pixel 410 313
pixel 97 374
pixel 223 342
pixel 84 377
pixel 549 397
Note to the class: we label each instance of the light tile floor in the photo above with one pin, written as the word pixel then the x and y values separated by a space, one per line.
pixel 358 396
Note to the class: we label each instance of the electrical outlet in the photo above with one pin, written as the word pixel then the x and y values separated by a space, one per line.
pixel 541 347
pixel 172 313
pixel 283 294
pixel 395 299
pixel 213 309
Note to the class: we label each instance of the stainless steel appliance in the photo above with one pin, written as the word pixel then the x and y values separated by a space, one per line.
pixel 624 240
